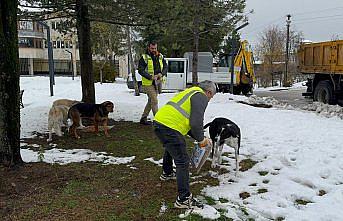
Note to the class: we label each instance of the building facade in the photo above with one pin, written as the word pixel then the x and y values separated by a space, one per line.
pixel 33 50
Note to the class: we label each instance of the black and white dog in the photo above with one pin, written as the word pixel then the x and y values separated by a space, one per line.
pixel 223 131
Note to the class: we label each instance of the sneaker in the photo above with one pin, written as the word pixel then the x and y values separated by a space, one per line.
pixel 188 203
pixel 165 176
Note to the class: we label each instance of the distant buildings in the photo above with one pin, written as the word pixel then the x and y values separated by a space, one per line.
pixel 33 50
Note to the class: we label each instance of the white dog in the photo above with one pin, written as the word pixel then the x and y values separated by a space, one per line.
pixel 58 116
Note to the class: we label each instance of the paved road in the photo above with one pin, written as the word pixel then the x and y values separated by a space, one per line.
pixel 291 96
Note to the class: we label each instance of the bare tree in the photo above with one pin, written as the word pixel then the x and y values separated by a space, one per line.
pixel 271 51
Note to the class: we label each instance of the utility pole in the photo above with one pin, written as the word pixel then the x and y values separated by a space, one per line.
pixel 288 22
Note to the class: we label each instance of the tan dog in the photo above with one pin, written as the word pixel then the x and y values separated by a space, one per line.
pixel 58 116
pixel 65 102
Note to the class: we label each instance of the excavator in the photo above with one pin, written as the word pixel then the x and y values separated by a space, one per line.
pixel 244 76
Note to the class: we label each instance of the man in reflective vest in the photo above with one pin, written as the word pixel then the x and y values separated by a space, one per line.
pixel 183 114
pixel 152 67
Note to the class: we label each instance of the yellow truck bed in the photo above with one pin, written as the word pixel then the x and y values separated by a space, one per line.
pixel 323 58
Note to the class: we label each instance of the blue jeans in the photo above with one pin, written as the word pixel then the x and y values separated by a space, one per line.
pixel 175 149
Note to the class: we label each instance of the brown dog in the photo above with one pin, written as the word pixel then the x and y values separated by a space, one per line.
pixel 65 102
pixel 97 112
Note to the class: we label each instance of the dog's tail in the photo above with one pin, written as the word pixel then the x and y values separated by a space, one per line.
pixel 207 125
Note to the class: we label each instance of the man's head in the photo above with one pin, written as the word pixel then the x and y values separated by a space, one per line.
pixel 152 47
pixel 209 88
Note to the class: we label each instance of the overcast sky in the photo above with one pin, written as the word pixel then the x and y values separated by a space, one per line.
pixel 319 20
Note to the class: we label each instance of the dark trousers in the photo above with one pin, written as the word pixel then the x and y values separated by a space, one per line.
pixel 175 149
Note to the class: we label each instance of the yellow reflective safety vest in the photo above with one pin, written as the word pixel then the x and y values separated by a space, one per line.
pixel 175 114
pixel 150 67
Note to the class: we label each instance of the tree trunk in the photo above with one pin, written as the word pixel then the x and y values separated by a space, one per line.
pixel 83 33
pixel 9 85
pixel 196 22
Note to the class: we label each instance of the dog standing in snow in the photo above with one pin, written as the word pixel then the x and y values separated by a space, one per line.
pixel 57 119
pixel 223 131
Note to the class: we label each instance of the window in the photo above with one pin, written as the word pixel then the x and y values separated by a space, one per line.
pixel 67 44
pixel 62 44
pixel 176 66
pixel 53 24
pixel 25 42
pixel 54 44
pixel 58 44
pixel 70 44
pixel 25 25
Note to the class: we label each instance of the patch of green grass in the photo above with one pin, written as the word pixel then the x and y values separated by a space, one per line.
pixel 93 191
pixel 263 173
pixel 280 218
pixel 244 210
pixel 265 181
pixel 223 200
pixel 302 201
pixel 210 200
pixel 246 164
pixel 77 187
pixel 262 190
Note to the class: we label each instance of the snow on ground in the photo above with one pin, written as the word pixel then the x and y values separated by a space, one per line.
pixel 298 152
pixel 61 156
pixel 275 88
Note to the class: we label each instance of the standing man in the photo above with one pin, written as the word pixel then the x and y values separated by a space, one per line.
pixel 152 67
pixel 183 114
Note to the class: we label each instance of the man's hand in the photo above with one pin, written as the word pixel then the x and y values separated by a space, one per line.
pixel 158 76
pixel 206 141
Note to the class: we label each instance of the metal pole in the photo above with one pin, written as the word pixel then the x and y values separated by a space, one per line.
pixel 50 58
pixel 232 67
pixel 71 64
pixel 288 21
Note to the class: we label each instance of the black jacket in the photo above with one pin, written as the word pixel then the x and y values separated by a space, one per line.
pixel 157 69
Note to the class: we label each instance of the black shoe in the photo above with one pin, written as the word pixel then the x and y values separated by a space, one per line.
pixel 165 176
pixel 188 203
pixel 144 121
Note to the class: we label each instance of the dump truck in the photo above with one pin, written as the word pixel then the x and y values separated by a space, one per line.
pixel 323 63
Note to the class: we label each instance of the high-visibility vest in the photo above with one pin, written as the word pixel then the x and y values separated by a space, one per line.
pixel 176 113
pixel 150 67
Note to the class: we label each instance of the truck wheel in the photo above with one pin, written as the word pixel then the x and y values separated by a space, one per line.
pixel 324 93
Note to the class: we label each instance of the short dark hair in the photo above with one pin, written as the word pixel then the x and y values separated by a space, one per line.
pixel 152 43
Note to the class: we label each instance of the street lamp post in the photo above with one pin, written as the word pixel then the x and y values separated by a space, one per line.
pixel 71 64
pixel 233 48
pixel 50 58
